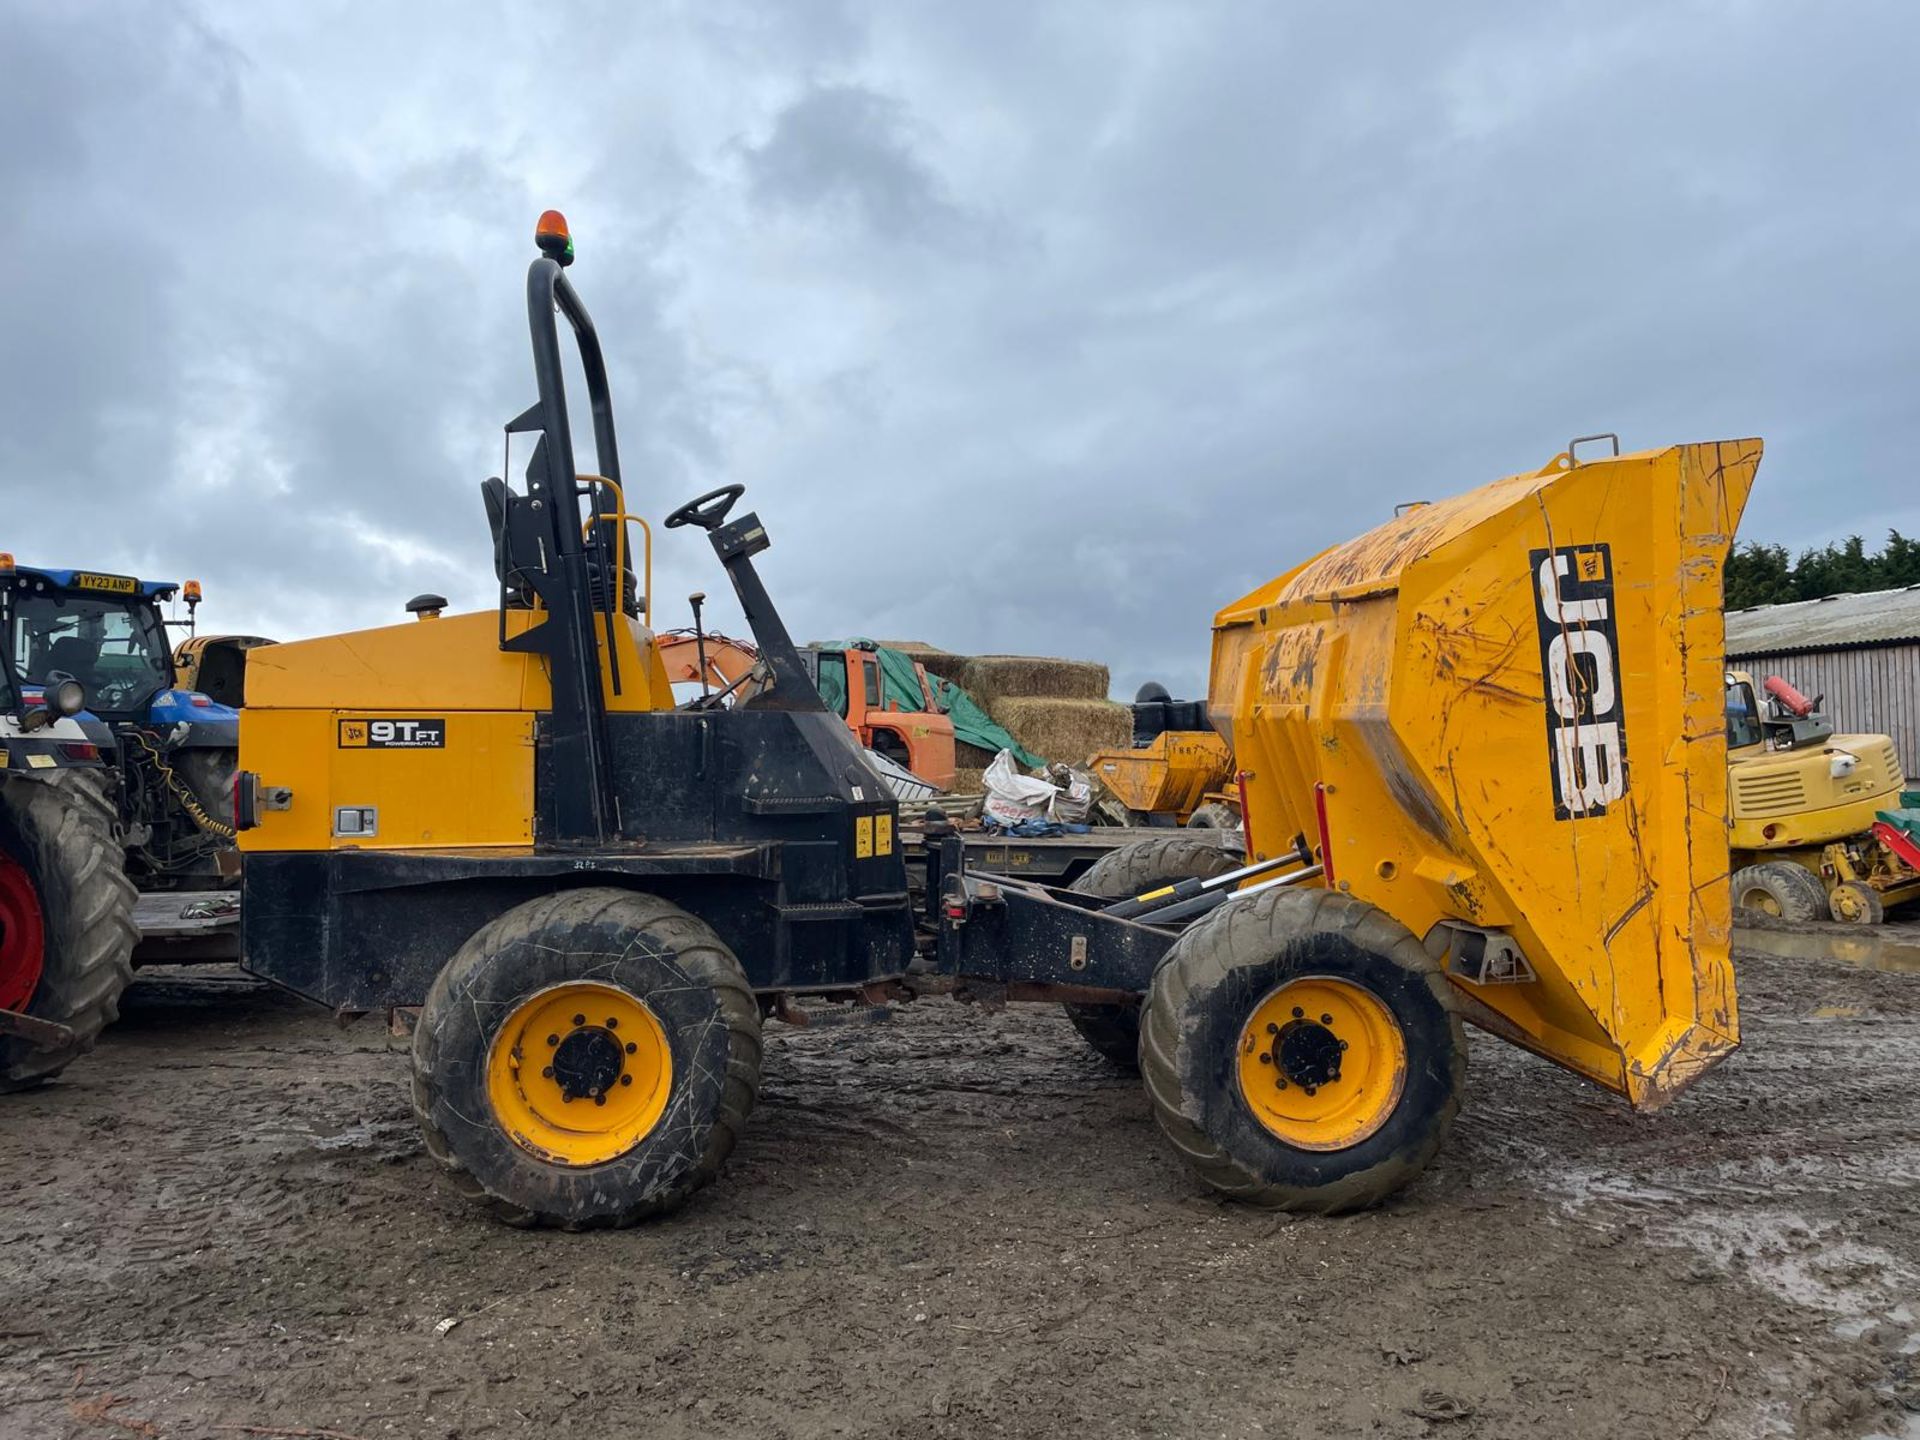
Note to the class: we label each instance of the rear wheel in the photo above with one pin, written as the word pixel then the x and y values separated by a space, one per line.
pixel 1214 815
pixel 66 918
pixel 587 1059
pixel 1145 865
pixel 1301 1050
pixel 1854 902
pixel 1781 889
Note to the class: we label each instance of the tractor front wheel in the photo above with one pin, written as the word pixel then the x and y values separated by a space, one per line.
pixel 66 918
pixel 1302 1051
pixel 587 1059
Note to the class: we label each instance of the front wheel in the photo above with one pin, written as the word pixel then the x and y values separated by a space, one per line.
pixel 1854 902
pixel 1302 1051
pixel 587 1059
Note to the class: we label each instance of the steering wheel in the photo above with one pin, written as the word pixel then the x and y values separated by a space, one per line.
pixel 708 511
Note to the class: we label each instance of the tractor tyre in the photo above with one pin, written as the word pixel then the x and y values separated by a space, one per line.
pixel 1114 1030
pixel 586 1060
pixel 1781 889
pixel 1302 1051
pixel 66 917
pixel 1854 902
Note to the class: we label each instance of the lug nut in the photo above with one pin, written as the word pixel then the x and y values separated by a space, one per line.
pixel 1326 1019
pixel 1279 1082
pixel 566 1097
pixel 631 1047
pixel 1265 1058
pixel 553 1039
pixel 1272 1029
pixel 612 1024
pixel 599 1099
pixel 547 1073
pixel 1343 1047
pixel 1310 1089
pixel 626 1079
pixel 1298 1012
pixel 579 1019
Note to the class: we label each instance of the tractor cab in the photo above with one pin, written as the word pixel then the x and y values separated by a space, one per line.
pixel 171 749
pixel 107 633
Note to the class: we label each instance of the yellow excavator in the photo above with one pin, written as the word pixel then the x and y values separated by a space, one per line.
pixel 1481 746
pixel 1818 819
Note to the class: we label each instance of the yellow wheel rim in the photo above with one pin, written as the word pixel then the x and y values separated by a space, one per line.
pixel 579 1073
pixel 1761 900
pixel 1322 1063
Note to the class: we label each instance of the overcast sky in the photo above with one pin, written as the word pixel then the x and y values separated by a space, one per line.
pixel 1029 326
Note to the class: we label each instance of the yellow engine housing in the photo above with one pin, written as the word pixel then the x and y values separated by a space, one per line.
pixel 337 721
pixel 1787 799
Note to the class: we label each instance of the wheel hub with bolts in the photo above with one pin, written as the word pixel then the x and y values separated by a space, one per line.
pixel 587 1060
pixel 1305 1052
pixel 1322 1062
pixel 579 1073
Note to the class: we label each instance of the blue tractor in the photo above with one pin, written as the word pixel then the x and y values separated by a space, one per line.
pixel 170 751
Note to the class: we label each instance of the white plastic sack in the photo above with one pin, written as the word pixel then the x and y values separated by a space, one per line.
pixel 1072 800
pixel 1013 797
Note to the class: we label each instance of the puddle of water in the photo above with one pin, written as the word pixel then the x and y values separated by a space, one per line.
pixel 1869 947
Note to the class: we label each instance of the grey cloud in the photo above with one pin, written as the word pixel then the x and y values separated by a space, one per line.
pixel 844 147
pixel 1046 328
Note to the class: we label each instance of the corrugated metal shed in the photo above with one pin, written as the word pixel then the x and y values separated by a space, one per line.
pixel 1860 652
pixel 1873 617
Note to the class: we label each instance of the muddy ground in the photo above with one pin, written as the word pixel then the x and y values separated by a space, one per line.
pixel 957 1224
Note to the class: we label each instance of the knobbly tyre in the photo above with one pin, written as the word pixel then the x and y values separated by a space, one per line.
pixel 596 897
pixel 66 905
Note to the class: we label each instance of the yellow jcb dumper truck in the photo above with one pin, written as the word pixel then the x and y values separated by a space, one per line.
pixel 1485 773
pixel 1813 813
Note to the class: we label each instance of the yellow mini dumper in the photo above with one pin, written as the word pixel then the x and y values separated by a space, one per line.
pixel 1486 782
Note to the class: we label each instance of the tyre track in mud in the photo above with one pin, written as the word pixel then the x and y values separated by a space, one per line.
pixel 956 1224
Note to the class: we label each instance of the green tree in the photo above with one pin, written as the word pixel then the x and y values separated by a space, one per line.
pixel 1759 575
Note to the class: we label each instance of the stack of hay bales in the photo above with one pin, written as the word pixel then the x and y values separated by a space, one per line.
pixel 1056 708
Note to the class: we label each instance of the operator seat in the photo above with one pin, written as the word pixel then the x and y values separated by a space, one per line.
pixel 499 500
pixel 73 655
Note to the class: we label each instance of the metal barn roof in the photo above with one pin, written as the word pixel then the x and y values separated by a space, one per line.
pixel 1836 622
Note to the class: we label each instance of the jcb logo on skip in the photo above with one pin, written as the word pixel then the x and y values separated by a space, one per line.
pixel 1579 655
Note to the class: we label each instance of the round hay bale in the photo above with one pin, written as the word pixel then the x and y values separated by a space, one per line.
pixel 1066 730
pixel 991 679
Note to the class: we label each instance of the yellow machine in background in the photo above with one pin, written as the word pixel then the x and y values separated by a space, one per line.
pixel 216 665
pixel 1177 773
pixel 1804 804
